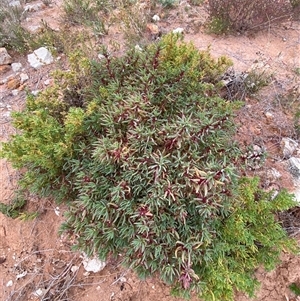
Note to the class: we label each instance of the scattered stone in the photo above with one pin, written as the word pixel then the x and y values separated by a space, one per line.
pixel 294 166
pixel 4 69
pixel 13 83
pixel 47 82
pixel 57 211
pixel 23 77
pixel 14 3
pixel 93 264
pixel 22 275
pixel 138 48
pixel 34 7
pixel 288 147
pixel 5 58
pixel 273 174
pixel 35 92
pixel 257 149
pixel 2 259
pixel 178 30
pixel 22 87
pixel 15 92
pixel 297 194
pixel 9 283
pixel 74 269
pixel 34 28
pixel 156 18
pixel 16 67
pixel 39 292
pixel 101 56
pixel 153 28
pixel 40 57
pixel 2 228
pixel 269 116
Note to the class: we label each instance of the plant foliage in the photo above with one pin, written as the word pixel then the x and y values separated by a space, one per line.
pixel 140 149
pixel 12 34
pixel 246 15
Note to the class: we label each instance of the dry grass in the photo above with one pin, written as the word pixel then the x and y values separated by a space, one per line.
pixel 246 15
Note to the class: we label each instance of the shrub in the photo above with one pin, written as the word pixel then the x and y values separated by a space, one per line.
pixel 140 149
pixel 245 15
pixel 12 34
pixel 86 12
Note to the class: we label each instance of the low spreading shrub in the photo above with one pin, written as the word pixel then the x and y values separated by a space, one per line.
pixel 140 148
pixel 12 34
pixel 246 15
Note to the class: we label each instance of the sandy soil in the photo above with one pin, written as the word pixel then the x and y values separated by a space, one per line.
pixel 32 254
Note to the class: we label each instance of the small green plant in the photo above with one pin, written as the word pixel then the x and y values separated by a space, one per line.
pixel 12 34
pixel 256 80
pixel 196 2
pixel 294 287
pixel 297 122
pixel 14 209
pixel 297 71
pixel 47 2
pixel 83 12
pixel 140 149
pixel 168 3
pixel 218 25
pixel 62 41
pixel 236 86
pixel 295 3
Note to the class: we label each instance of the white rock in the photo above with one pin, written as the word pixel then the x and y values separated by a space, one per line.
pixel 24 77
pixel 47 82
pixel 35 92
pixel 15 92
pixel 38 293
pixel 273 174
pixel 269 116
pixel 19 276
pixel 74 268
pixel 40 57
pixel 178 30
pixel 138 48
pixel 9 283
pixel 155 18
pixel 294 166
pixel 34 28
pixel 297 194
pixel 33 7
pixel 5 58
pixel 14 3
pixel 257 150
pixel 16 67
pixel 93 264
pixel 101 56
pixel 288 147
pixel 57 211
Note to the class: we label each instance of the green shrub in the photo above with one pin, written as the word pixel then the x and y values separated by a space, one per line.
pixel 12 34
pixel 140 148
